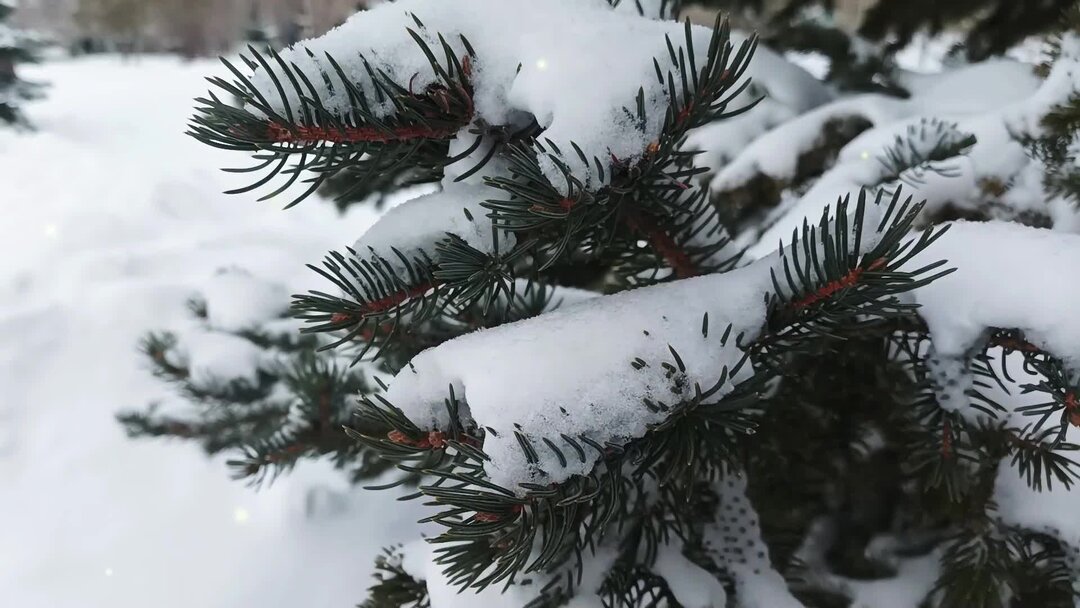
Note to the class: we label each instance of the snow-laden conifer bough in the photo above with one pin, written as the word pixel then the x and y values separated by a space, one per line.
pixel 647 447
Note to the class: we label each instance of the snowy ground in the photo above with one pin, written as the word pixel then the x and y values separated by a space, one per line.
pixel 109 219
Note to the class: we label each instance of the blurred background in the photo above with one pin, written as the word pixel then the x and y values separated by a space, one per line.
pixel 204 27
pixel 191 28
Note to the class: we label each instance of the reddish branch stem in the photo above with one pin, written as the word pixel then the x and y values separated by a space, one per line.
pixel 392 300
pixel 383 304
pixel 565 204
pixel 494 517
pixel 845 282
pixel 348 135
pixel 434 439
pixel 1072 408
pixel 1014 344
pixel 664 246
pixel 324 413
pixel 946 439
pixel 287 453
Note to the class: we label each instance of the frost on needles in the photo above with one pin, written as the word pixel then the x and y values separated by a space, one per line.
pixel 614 389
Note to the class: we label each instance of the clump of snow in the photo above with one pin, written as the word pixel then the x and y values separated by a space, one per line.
pixel 952 380
pixel 587 369
pixel 734 541
pixel 1051 511
pixel 691 585
pixel 213 357
pixel 603 56
pixel 915 578
pixel 419 561
pixel 569 371
pixel 415 226
pixel 946 95
pixel 975 88
pixel 236 300
pixel 1007 276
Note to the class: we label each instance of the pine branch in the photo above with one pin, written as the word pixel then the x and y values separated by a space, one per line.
pixel 324 143
pixel 394 587
pixel 492 532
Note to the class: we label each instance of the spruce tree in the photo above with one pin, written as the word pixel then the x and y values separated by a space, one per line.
pixel 680 326
pixel 15 47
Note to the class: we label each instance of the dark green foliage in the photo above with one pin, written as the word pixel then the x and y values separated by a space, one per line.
pixel 744 207
pixel 350 186
pixel 634 585
pixel 296 408
pixel 854 64
pixel 990 26
pixel 15 47
pixel 1058 149
pixel 924 149
pixel 395 588
pixel 362 142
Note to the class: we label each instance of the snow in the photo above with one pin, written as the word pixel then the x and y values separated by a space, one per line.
pixel 419 562
pixel 692 586
pixel 723 140
pixel 111 220
pixel 237 300
pixel 1051 511
pixel 520 74
pixel 1000 266
pixel 996 101
pixel 914 580
pixel 114 220
pixel 569 371
pixel 734 542
pixel 777 152
pixel 414 227
pixel 997 81
pixel 588 369
pixel 214 357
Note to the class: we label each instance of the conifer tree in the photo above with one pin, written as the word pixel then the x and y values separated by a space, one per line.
pixel 15 47
pixel 990 26
pixel 620 375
